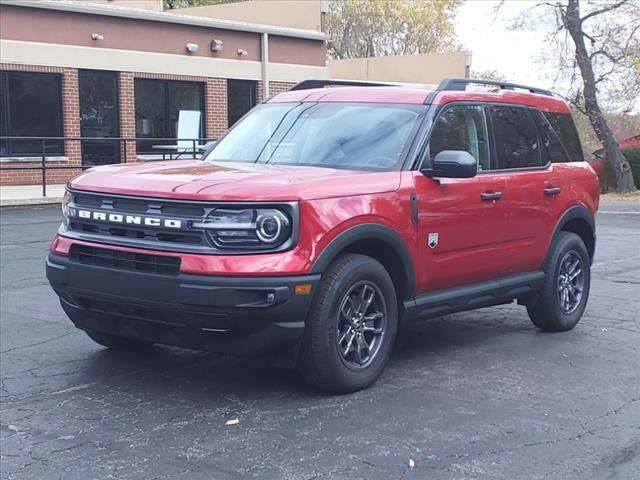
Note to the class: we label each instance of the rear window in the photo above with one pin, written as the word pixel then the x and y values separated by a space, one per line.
pixel 566 131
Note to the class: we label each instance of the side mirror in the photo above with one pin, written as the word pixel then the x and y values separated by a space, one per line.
pixel 452 164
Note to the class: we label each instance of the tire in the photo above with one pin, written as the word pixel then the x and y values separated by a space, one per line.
pixel 555 312
pixel 334 319
pixel 115 342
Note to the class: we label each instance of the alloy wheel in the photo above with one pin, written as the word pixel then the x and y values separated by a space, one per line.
pixel 362 321
pixel 570 284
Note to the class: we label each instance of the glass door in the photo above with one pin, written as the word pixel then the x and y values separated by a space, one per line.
pixel 99 117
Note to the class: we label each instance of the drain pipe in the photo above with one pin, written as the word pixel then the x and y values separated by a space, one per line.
pixel 265 66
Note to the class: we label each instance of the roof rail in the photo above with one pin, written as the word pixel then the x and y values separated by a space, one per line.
pixel 461 83
pixel 308 84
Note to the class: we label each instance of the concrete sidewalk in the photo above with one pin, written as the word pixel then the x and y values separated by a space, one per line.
pixel 15 195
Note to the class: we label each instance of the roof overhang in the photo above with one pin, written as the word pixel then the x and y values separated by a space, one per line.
pixel 139 14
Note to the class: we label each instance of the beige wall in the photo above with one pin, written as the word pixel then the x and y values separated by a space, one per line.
pixel 134 35
pixel 153 5
pixel 304 14
pixel 426 68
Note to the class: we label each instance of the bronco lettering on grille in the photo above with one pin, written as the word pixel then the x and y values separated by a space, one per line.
pixel 125 219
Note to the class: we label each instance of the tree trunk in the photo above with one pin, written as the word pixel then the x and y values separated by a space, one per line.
pixel 573 23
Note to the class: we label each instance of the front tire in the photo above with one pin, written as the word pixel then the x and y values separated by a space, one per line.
pixel 564 295
pixel 351 326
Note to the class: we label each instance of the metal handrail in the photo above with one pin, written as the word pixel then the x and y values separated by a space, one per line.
pixel 42 156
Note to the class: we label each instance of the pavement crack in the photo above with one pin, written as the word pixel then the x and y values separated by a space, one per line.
pixel 21 347
pixel 615 411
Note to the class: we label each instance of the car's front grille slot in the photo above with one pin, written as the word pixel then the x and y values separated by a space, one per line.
pixel 163 224
pixel 139 205
pixel 184 318
pixel 140 234
pixel 138 262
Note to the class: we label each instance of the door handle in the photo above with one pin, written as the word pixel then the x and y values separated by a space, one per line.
pixel 490 196
pixel 551 191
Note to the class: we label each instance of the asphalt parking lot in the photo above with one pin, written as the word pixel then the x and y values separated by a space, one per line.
pixel 473 395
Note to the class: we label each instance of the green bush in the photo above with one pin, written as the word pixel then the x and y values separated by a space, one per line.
pixel 608 175
pixel 633 157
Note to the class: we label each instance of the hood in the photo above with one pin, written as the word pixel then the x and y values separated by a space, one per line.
pixel 231 181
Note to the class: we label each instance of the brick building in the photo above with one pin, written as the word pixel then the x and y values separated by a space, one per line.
pixel 100 69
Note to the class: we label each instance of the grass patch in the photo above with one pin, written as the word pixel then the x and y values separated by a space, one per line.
pixel 628 196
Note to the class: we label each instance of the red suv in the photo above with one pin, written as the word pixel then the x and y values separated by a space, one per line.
pixel 330 215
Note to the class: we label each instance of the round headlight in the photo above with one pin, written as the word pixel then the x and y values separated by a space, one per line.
pixel 269 226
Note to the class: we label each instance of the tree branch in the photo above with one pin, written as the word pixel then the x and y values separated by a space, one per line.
pixel 606 9
pixel 591 39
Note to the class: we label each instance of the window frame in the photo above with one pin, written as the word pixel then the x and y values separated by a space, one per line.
pixel 6 113
pixel 167 107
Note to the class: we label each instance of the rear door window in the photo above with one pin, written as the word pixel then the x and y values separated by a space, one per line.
pixel 516 137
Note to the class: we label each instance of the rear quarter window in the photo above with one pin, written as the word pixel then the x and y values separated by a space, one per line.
pixel 566 130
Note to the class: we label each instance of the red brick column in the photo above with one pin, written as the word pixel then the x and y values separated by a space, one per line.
pixel 274 87
pixel 127 115
pixel 215 105
pixel 279 87
pixel 71 114
pixel 259 92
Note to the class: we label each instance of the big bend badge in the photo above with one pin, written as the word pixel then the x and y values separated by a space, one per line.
pixel 432 241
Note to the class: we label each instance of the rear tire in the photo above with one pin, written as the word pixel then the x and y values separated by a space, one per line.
pixel 122 344
pixel 564 295
pixel 351 326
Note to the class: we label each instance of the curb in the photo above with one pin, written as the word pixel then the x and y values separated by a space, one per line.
pixel 22 202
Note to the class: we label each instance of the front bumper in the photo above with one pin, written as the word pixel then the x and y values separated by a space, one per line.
pixel 239 315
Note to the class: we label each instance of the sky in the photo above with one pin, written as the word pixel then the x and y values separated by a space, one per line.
pixel 518 55
pixel 514 54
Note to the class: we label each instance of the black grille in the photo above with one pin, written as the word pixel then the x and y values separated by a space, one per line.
pixel 137 262
pixel 138 235
pixel 184 318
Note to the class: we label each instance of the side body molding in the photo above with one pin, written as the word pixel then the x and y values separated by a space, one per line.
pixel 368 231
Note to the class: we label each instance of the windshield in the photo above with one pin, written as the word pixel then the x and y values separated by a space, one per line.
pixel 336 135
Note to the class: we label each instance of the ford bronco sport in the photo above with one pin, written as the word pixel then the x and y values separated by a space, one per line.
pixel 327 217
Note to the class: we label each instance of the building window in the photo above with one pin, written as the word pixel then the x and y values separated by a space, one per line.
pixel 30 106
pixel 241 97
pixel 158 105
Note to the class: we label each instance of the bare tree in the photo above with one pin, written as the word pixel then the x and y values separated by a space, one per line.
pixel 573 22
pixel 605 45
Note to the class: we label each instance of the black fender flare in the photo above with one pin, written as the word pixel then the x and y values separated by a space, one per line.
pixel 575 212
pixel 367 231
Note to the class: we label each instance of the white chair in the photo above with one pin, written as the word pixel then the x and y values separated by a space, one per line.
pixel 188 131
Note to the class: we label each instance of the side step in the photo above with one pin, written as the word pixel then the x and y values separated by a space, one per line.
pixel 469 297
